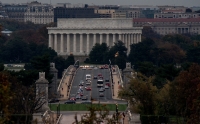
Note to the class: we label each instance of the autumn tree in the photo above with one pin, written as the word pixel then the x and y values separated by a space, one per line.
pixel 6 96
pixel 96 115
pixel 141 93
pixel 186 90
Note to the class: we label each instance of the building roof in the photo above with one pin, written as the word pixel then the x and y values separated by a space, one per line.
pixel 167 20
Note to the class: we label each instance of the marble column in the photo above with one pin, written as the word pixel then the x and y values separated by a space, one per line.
pixel 61 44
pixel 68 43
pixel 140 38
pixel 94 39
pixel 55 42
pixel 74 44
pixel 50 41
pixel 107 39
pixel 87 48
pixel 134 38
pixel 125 40
pixel 114 38
pixel 81 43
pixel 120 36
pixel 101 38
pixel 129 42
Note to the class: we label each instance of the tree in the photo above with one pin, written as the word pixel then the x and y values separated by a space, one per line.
pixel 25 103
pixel 70 60
pixel 98 53
pixel 6 96
pixel 118 54
pixel 1 66
pixel 185 94
pixel 60 65
pixel 96 115
pixel 141 51
pixel 141 93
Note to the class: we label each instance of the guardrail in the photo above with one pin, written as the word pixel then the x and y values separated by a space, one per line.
pixel 68 69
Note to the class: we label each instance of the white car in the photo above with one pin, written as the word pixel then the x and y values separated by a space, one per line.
pixel 106 87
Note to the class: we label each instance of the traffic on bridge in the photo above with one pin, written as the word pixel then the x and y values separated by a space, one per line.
pixel 91 83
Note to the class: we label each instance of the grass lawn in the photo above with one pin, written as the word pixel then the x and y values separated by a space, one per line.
pixel 84 107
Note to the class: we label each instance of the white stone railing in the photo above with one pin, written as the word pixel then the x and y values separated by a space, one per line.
pixel 119 74
pixel 63 76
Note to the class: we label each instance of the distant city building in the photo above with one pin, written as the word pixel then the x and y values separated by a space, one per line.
pixel 171 26
pixel 65 12
pixel 175 12
pixel 104 13
pixel 15 11
pixel 78 36
pixel 126 13
pixel 39 13
pixel 3 14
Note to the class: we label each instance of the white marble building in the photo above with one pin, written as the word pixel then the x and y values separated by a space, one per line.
pixel 78 36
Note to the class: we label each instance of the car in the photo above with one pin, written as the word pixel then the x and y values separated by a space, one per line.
pixel 95 77
pixel 78 96
pixel 81 94
pixel 88 82
pixel 101 89
pixel 84 98
pixel 100 77
pixel 86 102
pixel 101 94
pixel 88 88
pixel 99 74
pixel 95 67
pixel 106 87
pixel 73 98
pixel 70 102
pixel 107 80
pixel 53 100
pixel 108 84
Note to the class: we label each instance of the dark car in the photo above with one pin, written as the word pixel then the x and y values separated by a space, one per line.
pixel 53 100
pixel 95 77
pixel 70 102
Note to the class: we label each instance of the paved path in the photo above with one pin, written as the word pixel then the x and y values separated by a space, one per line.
pixel 65 86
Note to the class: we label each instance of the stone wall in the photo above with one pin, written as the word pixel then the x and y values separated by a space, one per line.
pixel 94 23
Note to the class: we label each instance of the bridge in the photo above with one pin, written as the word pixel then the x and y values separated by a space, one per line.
pixel 69 84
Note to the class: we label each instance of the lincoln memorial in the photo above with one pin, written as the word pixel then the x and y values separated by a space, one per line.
pixel 78 36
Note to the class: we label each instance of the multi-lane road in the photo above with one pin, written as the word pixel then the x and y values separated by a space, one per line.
pixel 94 93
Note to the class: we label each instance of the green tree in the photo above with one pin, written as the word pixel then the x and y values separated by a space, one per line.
pixel 60 64
pixel 1 66
pixel 70 60
pixel 141 51
pixel 98 53
pixel 118 54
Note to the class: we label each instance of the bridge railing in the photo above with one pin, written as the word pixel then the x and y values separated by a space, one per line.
pixel 119 75
pixel 63 76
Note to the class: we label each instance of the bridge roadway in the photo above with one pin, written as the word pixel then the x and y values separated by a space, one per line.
pixel 94 93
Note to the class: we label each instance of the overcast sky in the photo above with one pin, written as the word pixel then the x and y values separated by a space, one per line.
pixel 187 3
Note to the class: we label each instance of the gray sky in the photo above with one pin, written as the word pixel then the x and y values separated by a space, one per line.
pixel 187 3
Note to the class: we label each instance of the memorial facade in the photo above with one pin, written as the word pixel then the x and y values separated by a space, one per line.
pixel 78 36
